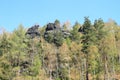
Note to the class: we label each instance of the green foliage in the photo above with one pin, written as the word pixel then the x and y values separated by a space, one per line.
pixel 34 68
pixel 75 35
pixel 88 37
pixel 5 44
pixel 57 23
pixel 94 52
pixel 5 70
pixel 55 37
pixel 68 41
pixel 99 29
pixel 58 38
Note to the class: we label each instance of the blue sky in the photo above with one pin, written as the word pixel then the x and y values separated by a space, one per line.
pixel 29 12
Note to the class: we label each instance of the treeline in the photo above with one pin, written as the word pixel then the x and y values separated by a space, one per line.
pixel 62 52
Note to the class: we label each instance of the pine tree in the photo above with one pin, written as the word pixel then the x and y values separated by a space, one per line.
pixel 100 33
pixel 75 34
pixel 87 40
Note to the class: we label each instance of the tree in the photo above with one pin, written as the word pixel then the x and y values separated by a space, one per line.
pixel 87 40
pixel 5 50
pixel 100 33
pixel 57 22
pixel 75 34
pixel 99 29
pixel 67 25
pixel 64 62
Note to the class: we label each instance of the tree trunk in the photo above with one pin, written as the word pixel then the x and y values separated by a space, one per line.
pixel 105 68
pixel 57 63
pixel 69 71
pixel 119 57
pixel 87 76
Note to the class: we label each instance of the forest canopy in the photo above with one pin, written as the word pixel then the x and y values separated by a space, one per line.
pixel 88 51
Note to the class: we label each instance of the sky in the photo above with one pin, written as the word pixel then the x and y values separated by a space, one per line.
pixel 31 12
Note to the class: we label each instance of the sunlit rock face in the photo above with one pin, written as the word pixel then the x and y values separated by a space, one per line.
pixel 53 28
pixel 33 31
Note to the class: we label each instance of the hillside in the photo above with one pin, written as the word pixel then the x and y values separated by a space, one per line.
pixel 88 51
